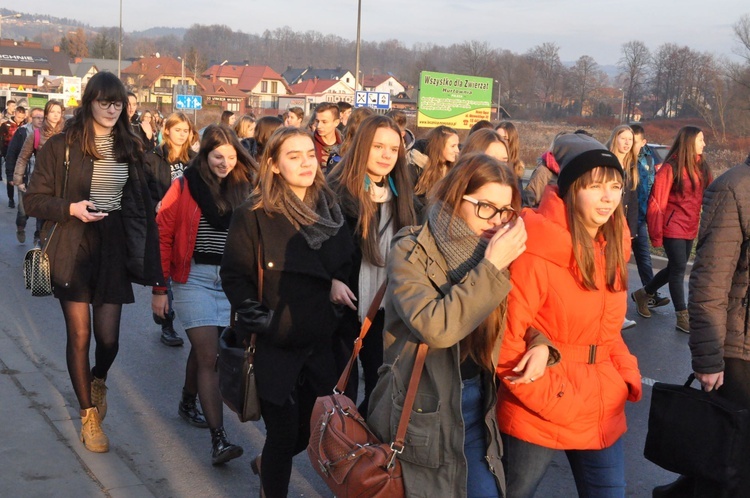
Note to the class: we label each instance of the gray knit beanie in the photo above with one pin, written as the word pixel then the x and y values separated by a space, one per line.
pixel 577 154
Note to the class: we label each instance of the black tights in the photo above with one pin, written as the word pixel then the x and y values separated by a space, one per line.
pixel 200 373
pixel 107 337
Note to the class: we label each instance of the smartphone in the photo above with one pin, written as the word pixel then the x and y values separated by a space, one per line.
pixel 93 210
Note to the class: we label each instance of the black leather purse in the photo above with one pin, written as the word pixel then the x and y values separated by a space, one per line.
pixel 696 433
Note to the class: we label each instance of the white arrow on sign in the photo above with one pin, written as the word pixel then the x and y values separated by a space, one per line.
pixel 384 98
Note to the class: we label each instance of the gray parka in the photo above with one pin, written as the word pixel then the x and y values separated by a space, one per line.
pixel 421 305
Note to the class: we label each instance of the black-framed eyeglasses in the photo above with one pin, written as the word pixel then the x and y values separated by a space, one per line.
pixel 106 104
pixel 486 211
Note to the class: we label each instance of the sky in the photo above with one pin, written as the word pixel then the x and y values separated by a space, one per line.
pixel 597 28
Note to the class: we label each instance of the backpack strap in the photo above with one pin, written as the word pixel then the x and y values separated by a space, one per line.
pixel 37 138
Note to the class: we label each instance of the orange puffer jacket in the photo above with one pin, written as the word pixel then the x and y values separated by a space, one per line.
pixel 580 402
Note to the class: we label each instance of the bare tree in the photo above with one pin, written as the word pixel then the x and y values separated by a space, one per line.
pixel 585 77
pixel 545 60
pixel 633 66
pixel 473 58
pixel 742 33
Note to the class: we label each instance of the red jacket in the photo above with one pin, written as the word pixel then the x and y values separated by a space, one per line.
pixel 577 404
pixel 178 221
pixel 672 214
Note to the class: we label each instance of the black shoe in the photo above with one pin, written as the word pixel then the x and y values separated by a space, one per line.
pixel 657 301
pixel 170 338
pixel 11 203
pixel 221 449
pixel 189 411
pixel 683 487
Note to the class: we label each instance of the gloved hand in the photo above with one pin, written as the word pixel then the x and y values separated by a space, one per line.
pixel 251 317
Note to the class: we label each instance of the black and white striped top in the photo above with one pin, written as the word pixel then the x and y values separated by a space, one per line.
pixel 109 176
pixel 209 243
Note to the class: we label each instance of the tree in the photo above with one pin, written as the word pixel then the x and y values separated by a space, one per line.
pixel 473 58
pixel 545 61
pixel 76 45
pixel 585 77
pixel 103 47
pixel 633 64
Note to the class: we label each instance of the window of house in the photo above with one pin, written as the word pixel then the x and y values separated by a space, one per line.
pixel 228 82
pixel 233 106
pixel 274 87
pixel 37 73
pixel 165 83
pixel 264 87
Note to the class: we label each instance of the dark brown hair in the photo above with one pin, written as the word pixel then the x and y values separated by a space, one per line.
pixel 472 172
pixel 348 178
pixel 682 156
pixel 355 118
pixel 435 168
pixel 514 147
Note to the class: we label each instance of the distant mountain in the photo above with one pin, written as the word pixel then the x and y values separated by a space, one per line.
pixel 158 31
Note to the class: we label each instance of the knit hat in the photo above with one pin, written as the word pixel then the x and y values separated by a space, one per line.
pixel 577 154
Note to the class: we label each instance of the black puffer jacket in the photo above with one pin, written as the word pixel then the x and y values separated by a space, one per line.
pixel 158 172
pixel 719 280
pixel 44 199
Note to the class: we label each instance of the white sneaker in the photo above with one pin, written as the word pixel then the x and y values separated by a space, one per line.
pixel 628 324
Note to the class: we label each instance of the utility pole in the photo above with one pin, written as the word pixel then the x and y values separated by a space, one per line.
pixel 359 23
pixel 119 45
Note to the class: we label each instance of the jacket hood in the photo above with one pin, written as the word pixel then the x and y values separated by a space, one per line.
pixel 547 226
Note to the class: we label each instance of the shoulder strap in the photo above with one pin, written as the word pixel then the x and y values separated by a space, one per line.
pixel 37 138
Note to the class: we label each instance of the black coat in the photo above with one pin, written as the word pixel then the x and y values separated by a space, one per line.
pixel 158 172
pixel 296 287
pixel 44 199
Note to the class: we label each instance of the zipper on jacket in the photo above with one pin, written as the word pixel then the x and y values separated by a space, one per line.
pixel 669 219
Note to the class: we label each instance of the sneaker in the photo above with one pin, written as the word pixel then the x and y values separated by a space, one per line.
pixel 92 435
pixel 170 338
pixel 21 235
pixel 628 324
pixel 11 204
pixel 657 301
pixel 99 396
pixel 641 302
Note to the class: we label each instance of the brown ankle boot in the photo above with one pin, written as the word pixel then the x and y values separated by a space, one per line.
pixel 99 396
pixel 683 321
pixel 92 435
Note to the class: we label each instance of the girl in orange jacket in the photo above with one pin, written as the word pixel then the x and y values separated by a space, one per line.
pixel 571 284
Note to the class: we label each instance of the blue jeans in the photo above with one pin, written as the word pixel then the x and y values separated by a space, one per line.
pixel 678 252
pixel 598 473
pixel 481 482
pixel 642 254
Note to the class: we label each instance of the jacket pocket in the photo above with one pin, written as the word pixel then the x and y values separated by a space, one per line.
pixel 669 218
pixel 423 440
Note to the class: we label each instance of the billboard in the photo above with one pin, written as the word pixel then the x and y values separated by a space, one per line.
pixel 453 100
pixel 69 87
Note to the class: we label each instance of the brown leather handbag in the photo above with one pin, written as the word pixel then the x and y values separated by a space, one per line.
pixel 343 450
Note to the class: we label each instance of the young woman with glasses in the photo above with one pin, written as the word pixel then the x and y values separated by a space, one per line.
pixel 89 184
pixel 448 285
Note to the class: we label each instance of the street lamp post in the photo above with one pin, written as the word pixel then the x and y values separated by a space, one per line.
pixel 359 23
pixel 499 88
pixel 12 16
pixel 622 105
pixel 119 45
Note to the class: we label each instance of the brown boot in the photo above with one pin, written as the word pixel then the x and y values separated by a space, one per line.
pixel 641 298
pixel 92 435
pixel 99 396
pixel 683 321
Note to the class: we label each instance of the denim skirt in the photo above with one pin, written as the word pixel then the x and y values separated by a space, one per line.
pixel 201 301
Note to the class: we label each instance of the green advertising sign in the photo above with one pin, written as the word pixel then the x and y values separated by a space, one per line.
pixel 453 100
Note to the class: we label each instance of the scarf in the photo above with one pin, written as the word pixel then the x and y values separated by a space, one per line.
pixel 371 276
pixel 202 195
pixel 459 245
pixel 316 223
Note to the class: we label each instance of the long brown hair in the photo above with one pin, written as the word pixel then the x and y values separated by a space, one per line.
pixel 514 147
pixel 235 188
pixel 682 156
pixel 472 172
pixel 174 153
pixel 616 272
pixel 358 115
pixel 47 129
pixel 435 168
pixel 630 163
pixel 106 87
pixel 481 139
pixel 269 192
pixel 348 179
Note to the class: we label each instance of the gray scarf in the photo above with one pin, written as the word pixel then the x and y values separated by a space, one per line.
pixel 316 223
pixel 459 245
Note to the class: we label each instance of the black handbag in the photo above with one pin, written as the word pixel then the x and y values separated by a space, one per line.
pixel 37 273
pixel 236 365
pixel 696 433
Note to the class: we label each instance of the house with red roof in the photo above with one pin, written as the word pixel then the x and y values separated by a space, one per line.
pixel 261 85
pixel 223 95
pixel 152 79
pixel 383 83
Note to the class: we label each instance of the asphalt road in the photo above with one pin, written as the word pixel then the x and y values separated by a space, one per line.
pixel 173 459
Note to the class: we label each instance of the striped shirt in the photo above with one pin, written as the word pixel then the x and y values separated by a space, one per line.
pixel 209 243
pixel 109 176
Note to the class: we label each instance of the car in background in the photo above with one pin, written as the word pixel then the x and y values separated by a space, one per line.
pixel 660 152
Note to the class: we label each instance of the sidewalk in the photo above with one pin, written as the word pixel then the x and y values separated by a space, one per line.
pixel 41 454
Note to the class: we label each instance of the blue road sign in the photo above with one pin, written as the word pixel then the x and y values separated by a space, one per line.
pixel 188 102
pixel 376 100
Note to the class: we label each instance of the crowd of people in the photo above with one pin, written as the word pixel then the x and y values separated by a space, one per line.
pixel 293 226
